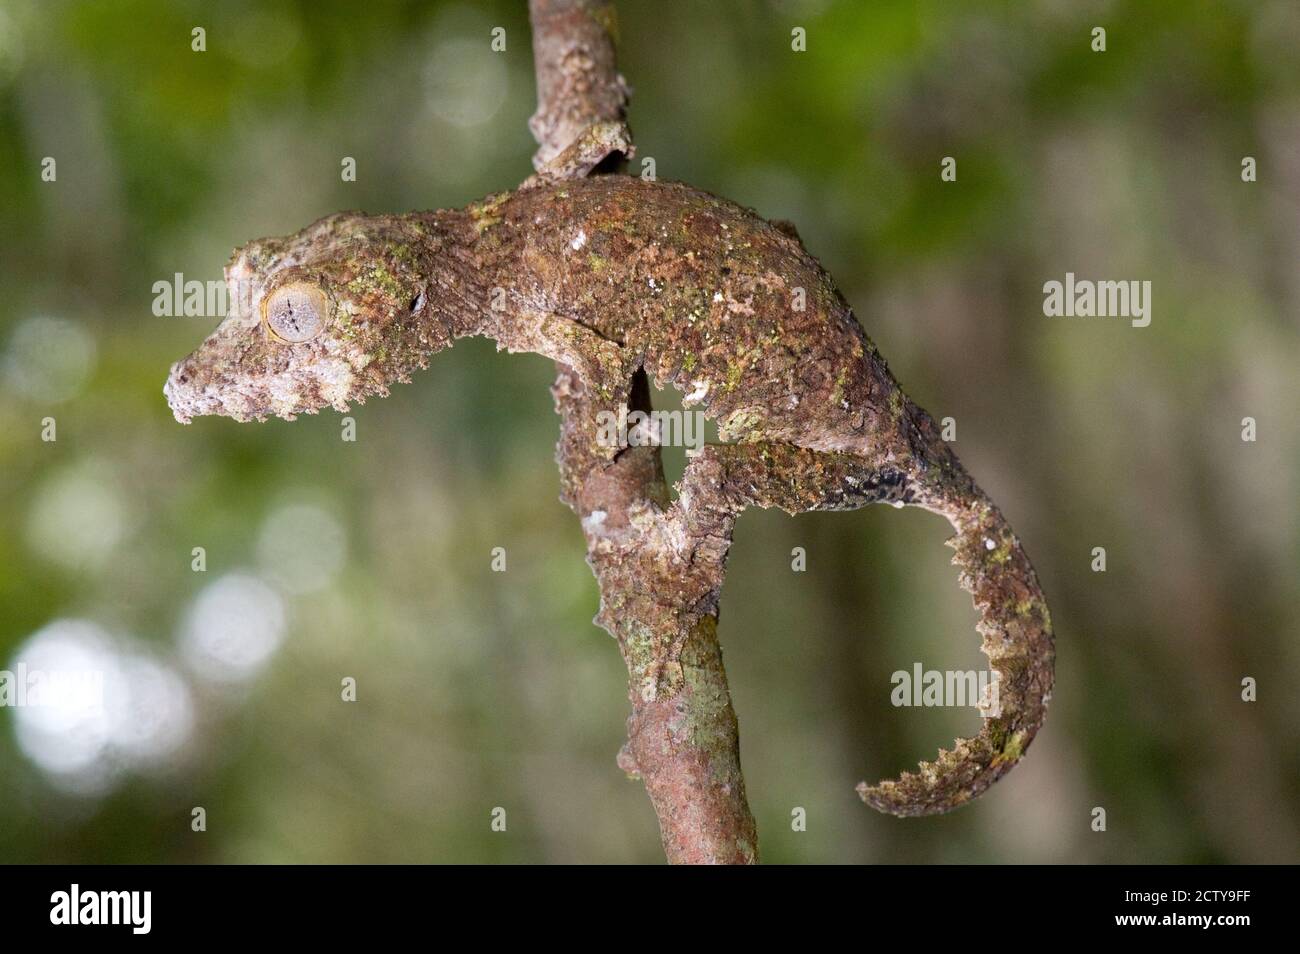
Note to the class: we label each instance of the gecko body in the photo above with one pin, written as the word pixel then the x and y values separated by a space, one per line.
pixel 614 276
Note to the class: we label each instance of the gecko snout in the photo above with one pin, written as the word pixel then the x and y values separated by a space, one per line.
pixel 188 395
pixel 280 360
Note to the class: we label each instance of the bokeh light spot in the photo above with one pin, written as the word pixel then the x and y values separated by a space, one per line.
pixel 233 629
pixel 48 359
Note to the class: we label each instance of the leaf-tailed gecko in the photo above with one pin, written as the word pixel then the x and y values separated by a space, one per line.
pixel 611 275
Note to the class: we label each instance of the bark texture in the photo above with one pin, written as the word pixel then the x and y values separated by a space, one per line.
pixel 659 598
pixel 578 83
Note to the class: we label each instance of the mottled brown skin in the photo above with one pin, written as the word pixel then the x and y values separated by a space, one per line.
pixel 610 275
pixel 701 290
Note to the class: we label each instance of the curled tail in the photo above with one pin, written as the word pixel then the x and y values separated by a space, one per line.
pixel 1014 622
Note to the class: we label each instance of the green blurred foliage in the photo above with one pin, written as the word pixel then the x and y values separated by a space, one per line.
pixel 478 689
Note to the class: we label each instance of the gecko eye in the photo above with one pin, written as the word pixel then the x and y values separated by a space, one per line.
pixel 296 312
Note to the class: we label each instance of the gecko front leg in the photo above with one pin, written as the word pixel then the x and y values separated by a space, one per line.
pixel 606 366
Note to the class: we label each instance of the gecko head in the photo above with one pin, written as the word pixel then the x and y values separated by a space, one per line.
pixel 328 316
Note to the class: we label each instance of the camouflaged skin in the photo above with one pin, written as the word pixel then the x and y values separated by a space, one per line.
pixel 612 274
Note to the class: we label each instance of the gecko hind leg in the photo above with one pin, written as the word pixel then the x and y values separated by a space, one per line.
pixel 771 474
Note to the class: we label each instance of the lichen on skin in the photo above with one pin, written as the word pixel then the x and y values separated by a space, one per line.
pixel 1012 749
pixel 483 214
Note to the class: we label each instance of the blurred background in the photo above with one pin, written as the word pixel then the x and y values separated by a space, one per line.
pixel 324 560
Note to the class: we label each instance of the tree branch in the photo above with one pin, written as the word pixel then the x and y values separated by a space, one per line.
pixel 578 84
pixel 659 575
